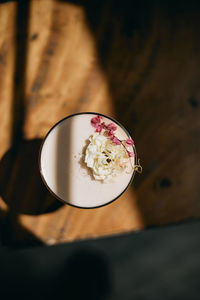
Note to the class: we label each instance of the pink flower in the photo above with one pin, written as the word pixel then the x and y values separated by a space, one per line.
pixel 112 127
pixel 96 121
pixel 129 142
pixel 130 154
pixel 109 133
pixel 115 140
pixel 99 128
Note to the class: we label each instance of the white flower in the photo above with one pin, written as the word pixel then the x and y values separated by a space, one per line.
pixel 105 159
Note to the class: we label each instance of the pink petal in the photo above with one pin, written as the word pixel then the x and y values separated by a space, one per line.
pixel 112 126
pixel 98 128
pixel 115 140
pixel 94 124
pixel 129 142
pixel 131 154
pixel 109 133
pixel 95 121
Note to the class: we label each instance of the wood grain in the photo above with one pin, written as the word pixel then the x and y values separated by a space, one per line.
pixel 137 62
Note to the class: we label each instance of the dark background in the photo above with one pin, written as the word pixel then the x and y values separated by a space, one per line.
pixel 161 263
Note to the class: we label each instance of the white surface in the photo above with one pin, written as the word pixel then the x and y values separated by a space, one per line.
pixel 65 175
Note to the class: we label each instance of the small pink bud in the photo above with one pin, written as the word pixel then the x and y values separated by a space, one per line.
pixel 110 133
pixel 115 140
pixel 112 127
pixel 96 121
pixel 129 142
pixel 98 128
pixel 131 154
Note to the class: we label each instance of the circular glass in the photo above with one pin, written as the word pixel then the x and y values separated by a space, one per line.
pixel 64 171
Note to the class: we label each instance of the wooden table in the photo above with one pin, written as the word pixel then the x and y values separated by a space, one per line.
pixel 139 63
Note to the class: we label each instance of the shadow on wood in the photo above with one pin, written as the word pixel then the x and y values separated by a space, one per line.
pixel 149 52
pixel 21 186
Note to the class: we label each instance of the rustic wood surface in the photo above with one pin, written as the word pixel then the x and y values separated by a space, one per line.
pixel 136 61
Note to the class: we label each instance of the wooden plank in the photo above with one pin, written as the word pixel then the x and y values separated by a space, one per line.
pixel 7 59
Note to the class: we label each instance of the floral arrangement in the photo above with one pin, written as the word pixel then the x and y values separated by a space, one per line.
pixel 106 155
